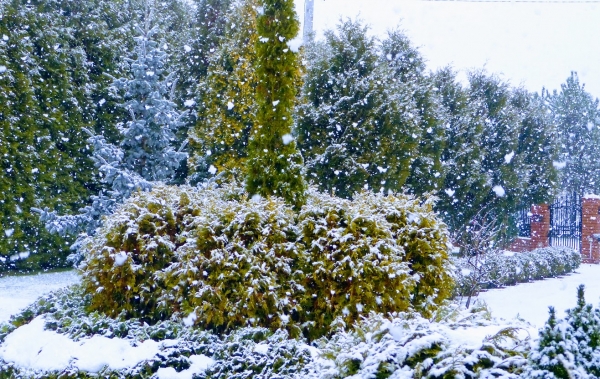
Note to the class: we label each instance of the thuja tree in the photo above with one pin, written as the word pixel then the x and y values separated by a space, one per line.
pixel 577 118
pixel 358 125
pixel 227 107
pixel 274 163
pixel 43 156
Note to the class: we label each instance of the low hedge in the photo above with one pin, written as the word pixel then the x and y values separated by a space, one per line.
pixel 507 269
pixel 222 260
pixel 402 345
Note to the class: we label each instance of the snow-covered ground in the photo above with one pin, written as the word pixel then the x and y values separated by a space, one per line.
pixel 17 292
pixel 32 347
pixel 530 301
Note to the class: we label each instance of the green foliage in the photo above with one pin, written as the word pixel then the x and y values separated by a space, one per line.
pixel 235 354
pixel 225 261
pixel 408 346
pixel 576 115
pixel 358 124
pixel 274 165
pixel 227 109
pixel 40 116
pixel 55 56
pixel 499 153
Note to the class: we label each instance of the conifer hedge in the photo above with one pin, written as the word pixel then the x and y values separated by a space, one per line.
pixel 222 260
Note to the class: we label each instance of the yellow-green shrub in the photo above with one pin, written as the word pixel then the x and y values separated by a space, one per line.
pixel 222 260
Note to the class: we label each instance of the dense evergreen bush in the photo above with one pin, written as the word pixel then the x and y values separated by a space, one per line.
pixel 507 269
pixel 569 347
pixel 224 260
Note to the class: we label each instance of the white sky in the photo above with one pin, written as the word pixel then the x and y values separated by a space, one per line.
pixel 536 44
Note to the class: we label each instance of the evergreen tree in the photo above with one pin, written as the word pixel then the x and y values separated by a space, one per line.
pixel 274 165
pixel 148 136
pixel 553 352
pixel 585 324
pixel 465 182
pixel 41 120
pixel 57 54
pixel 228 107
pixel 538 147
pixel 145 154
pixel 569 348
pixel 408 67
pixel 358 124
pixel 577 118
pixel 500 141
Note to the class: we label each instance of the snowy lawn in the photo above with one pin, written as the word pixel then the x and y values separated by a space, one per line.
pixel 17 292
pixel 530 301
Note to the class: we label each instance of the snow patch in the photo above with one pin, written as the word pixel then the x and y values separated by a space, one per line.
pixel 559 165
pixel 199 364
pixel 190 319
pixel 287 139
pixel 262 348
pixel 508 157
pixel 120 258
pixel 187 48
pixel 32 347
pixel 230 105
pixel 212 170
pixel 499 191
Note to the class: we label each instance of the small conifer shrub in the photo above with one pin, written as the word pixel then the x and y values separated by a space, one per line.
pixel 222 260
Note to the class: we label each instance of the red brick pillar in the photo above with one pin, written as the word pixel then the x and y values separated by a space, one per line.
pixel 540 226
pixel 590 226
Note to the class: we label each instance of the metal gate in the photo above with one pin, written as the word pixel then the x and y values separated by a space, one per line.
pixel 565 221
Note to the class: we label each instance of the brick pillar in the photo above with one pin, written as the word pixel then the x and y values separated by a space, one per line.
pixel 540 226
pixel 590 226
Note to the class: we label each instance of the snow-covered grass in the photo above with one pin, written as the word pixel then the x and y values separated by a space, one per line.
pixel 17 292
pixel 530 301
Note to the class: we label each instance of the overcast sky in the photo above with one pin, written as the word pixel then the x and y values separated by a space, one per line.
pixel 536 44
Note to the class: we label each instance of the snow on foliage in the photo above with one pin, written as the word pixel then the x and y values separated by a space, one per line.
pixel 145 154
pixel 402 345
pixel 505 270
pixel 465 345
pixel 237 261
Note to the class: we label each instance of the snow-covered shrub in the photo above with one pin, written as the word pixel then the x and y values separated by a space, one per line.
pixel 251 352
pixel 222 260
pixel 506 269
pixel 462 344
pixel 569 347
pixel 408 346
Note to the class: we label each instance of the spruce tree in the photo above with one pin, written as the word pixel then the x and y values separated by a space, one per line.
pixel 576 115
pixel 553 351
pixel 149 134
pixel 227 108
pixel 274 165
pixel 145 154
